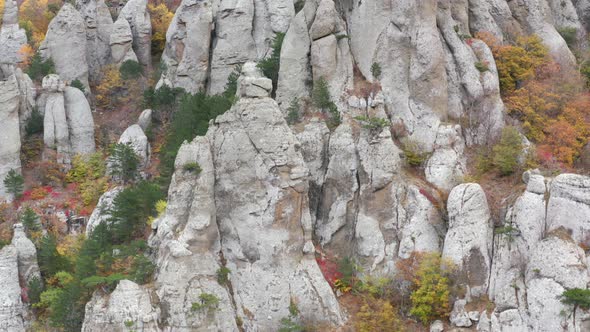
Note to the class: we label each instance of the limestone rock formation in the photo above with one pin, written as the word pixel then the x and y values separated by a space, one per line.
pixel 121 42
pixel 99 25
pixel 68 123
pixel 12 37
pixel 207 40
pixel 138 16
pixel 101 214
pixel 188 43
pixel 145 120
pixel 80 121
pixel 447 165
pixel 65 43
pixel 253 177
pixel 13 315
pixel 129 306
pixel 28 269
pixel 468 242
pixel 9 124
pixel 135 137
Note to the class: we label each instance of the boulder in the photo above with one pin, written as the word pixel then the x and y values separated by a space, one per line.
pixel 459 317
pixel 468 242
pixel 65 44
pixel 145 119
pixel 129 306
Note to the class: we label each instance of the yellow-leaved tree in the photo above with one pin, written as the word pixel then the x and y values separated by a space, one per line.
pixel 35 16
pixel 161 17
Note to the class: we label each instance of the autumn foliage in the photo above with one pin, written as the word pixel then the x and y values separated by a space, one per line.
pixel 161 17
pixel 35 16
pixel 549 100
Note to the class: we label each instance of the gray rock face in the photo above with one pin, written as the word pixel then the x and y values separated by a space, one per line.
pixel 234 43
pixel 12 37
pixel 136 13
pixel 446 166
pixel 28 268
pixel 188 43
pixel 121 42
pixel 100 213
pixel 145 119
pixel 196 58
pixel 128 304
pixel 569 205
pixel 135 137
pixel 99 25
pixel 80 121
pixel 295 68
pixel 68 126
pixel 253 177
pixel 468 242
pixel 13 313
pixel 65 43
pixel 9 125
pixel 187 236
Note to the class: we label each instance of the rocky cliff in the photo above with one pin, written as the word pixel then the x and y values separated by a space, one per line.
pixel 270 196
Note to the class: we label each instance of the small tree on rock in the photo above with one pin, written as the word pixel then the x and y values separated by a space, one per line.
pixel 29 219
pixel 124 163
pixel 14 183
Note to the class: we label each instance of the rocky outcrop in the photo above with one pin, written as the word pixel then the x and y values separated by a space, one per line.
pixel 9 124
pixel 207 40
pixel 129 306
pixel 65 44
pixel 101 214
pixel 13 314
pixel 12 37
pixel 188 43
pixel 145 120
pixel 99 25
pixel 135 137
pixel 295 66
pixel 468 243
pixel 68 123
pixel 28 269
pixel 121 42
pixel 138 16
pixel 447 165
pixel 249 204
pixel 80 121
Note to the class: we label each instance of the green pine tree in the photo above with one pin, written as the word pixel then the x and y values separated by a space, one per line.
pixel 14 183
pixel 30 220
pixel 124 163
